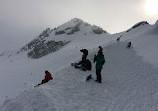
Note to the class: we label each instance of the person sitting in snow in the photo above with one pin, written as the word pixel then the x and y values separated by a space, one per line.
pixel 48 77
pixel 84 56
pixel 84 60
pixel 100 60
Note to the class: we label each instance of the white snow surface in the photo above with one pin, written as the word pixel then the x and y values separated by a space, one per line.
pixel 129 76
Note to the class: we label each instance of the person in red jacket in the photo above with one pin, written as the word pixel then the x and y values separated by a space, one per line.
pixel 48 77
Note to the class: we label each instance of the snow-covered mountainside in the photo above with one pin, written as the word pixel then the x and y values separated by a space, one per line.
pixel 138 25
pixel 18 72
pixel 129 76
pixel 128 84
pixel 45 43
pixel 144 39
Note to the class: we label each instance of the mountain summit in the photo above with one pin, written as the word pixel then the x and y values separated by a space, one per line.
pixel 45 42
pixel 138 25
pixel 78 25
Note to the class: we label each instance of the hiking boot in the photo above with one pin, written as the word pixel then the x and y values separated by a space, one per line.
pixel 99 81
pixel 84 69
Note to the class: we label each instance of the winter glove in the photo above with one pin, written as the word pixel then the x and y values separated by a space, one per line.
pixel 95 57
pixel 103 62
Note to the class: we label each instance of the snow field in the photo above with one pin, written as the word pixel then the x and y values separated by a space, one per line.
pixel 128 84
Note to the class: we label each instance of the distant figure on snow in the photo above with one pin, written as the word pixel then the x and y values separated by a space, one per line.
pixel 118 39
pixel 129 45
pixel 100 60
pixel 48 77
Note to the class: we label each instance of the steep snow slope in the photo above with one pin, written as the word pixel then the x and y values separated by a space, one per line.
pixel 45 43
pixel 23 72
pixel 129 84
pixel 144 39
pixel 19 73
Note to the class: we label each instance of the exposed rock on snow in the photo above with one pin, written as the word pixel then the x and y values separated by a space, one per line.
pixel 43 49
pixel 44 44
pixel 138 25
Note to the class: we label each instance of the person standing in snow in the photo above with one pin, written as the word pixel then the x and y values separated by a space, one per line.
pixel 129 44
pixel 100 60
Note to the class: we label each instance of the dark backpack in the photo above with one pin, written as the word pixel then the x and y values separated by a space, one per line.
pixel 88 65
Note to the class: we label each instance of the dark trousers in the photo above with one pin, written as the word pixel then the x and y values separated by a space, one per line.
pixel 44 81
pixel 98 74
pixel 83 63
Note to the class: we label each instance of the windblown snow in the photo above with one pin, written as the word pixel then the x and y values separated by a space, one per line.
pixel 129 76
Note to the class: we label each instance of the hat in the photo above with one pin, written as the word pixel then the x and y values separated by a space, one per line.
pixel 46 71
pixel 100 49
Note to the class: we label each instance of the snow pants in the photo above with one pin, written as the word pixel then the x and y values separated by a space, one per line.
pixel 98 74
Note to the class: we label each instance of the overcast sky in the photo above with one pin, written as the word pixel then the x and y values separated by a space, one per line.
pixel 23 20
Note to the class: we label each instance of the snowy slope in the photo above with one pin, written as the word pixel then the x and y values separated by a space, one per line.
pixel 47 41
pixel 19 73
pixel 144 39
pixel 129 83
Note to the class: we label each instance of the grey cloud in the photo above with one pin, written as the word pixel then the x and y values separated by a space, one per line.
pixel 22 20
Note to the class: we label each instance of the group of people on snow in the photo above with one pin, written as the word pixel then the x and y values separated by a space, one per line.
pixel 84 64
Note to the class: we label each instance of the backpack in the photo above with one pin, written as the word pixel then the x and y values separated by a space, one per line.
pixel 88 65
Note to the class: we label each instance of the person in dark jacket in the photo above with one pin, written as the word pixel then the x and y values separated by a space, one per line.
pixel 100 60
pixel 82 63
pixel 84 56
pixel 128 45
